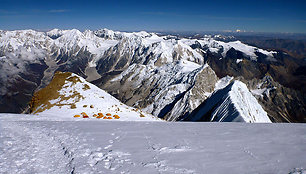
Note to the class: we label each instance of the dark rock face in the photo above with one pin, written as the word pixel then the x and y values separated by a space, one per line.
pixel 286 70
pixel 186 102
pixel 165 91
pixel 228 66
pixel 285 103
pixel 19 90
pixel 282 104
pixel 76 63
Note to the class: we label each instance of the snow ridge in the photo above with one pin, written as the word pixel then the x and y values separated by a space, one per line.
pixel 232 103
pixel 100 40
pixel 77 95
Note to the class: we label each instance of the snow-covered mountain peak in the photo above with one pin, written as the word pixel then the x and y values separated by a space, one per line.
pixel 142 34
pixel 71 35
pixel 73 40
pixel 246 103
pixel 108 34
pixel 223 47
pixel 12 40
pixel 54 32
pixel 88 33
pixel 68 95
pixel 232 103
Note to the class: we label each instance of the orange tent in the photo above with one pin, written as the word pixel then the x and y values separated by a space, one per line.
pixel 100 116
pixel 108 114
pixel 77 116
pixel 84 114
pixel 116 117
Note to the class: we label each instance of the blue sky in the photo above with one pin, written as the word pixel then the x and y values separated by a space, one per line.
pixel 158 15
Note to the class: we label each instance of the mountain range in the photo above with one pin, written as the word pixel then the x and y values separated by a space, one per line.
pixel 172 78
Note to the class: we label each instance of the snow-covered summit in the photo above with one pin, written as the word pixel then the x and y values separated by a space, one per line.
pixel 232 103
pixel 69 94
pixel 222 47
pixel 74 36
pixel 144 47
pixel 55 33
pixel 12 40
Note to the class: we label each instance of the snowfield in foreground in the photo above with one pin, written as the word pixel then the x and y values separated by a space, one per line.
pixel 32 145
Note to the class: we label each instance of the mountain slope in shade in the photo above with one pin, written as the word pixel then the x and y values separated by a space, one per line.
pixel 201 86
pixel 69 94
pixel 234 103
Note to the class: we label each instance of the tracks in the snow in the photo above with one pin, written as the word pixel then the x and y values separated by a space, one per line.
pixel 113 160
pixel 31 148
pixel 161 165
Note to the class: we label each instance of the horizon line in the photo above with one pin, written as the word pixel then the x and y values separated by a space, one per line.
pixel 167 31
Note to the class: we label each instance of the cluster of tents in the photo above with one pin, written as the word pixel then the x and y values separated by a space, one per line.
pixel 99 115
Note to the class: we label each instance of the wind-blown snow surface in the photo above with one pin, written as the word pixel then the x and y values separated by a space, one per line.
pixel 30 144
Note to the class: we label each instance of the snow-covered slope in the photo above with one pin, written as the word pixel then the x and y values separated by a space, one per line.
pixel 232 103
pixel 31 145
pixel 68 95
pixel 73 41
pixel 199 87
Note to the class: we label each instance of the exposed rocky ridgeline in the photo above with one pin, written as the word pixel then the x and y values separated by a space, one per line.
pixel 232 103
pixel 166 76
pixel 17 90
pixel 281 67
pixel 168 91
pixel 282 104
pixel 69 95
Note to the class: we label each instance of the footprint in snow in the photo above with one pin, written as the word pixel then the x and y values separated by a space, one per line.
pixel 95 158
pixel 107 147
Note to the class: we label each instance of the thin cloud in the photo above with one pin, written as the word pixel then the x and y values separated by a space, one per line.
pixel 301 21
pixel 201 16
pixel 58 11
pixel 157 13
pixel 28 12
pixel 7 12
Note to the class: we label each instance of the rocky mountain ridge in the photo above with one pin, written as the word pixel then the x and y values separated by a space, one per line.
pixel 69 96
pixel 165 76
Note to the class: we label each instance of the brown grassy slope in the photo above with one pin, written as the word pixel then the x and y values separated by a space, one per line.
pixel 41 99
